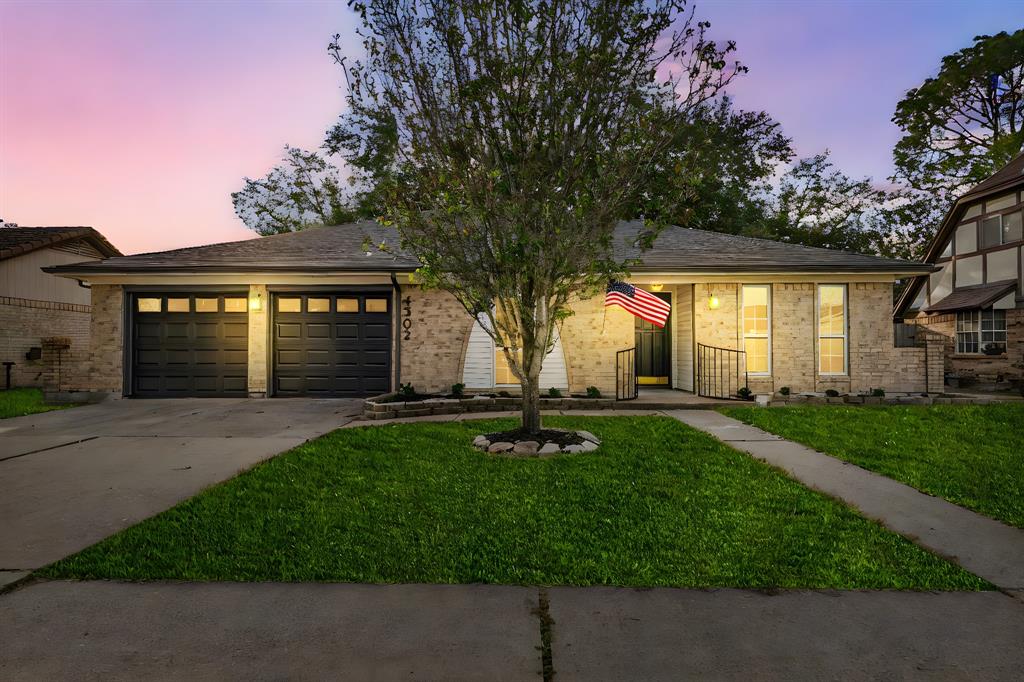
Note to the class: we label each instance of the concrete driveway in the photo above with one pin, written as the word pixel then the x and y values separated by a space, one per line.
pixel 73 477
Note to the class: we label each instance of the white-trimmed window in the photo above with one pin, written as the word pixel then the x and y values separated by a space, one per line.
pixel 832 329
pixel 978 329
pixel 757 324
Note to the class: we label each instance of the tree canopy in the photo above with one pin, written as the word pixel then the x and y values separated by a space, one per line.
pixel 505 143
pixel 964 123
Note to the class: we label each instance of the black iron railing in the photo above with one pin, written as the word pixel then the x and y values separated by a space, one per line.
pixel 625 375
pixel 721 372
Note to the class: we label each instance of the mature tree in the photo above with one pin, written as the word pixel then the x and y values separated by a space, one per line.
pixel 506 140
pixel 965 122
pixel 733 156
pixel 305 190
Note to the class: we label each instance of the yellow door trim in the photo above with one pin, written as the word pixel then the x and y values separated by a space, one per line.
pixel 652 381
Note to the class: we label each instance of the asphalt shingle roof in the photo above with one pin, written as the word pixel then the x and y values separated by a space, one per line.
pixel 343 248
pixel 15 241
pixel 973 297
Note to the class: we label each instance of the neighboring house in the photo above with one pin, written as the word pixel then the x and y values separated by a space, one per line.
pixel 976 297
pixel 314 314
pixel 35 305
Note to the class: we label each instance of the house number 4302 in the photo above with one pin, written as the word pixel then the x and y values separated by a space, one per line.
pixel 406 318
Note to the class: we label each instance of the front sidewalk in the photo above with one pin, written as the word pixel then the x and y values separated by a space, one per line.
pixel 256 631
pixel 982 545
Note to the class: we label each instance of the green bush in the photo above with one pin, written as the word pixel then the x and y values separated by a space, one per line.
pixel 877 393
pixel 784 390
pixel 832 393
pixel 458 390
pixel 744 393
pixel 406 391
pixel 554 393
pixel 593 392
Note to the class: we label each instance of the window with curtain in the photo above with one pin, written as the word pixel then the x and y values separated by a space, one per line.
pixel 832 337
pixel 978 329
pixel 757 327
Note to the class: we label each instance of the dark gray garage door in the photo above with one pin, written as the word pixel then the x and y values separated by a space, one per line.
pixel 189 345
pixel 333 344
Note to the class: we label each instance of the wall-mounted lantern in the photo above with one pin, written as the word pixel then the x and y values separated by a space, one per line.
pixel 657 286
pixel 256 301
pixel 713 302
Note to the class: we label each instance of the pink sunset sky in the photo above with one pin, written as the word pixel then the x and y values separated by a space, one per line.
pixel 141 118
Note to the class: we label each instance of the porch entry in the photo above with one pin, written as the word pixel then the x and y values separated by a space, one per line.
pixel 653 350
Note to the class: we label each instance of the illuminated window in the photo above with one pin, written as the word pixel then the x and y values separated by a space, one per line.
pixel 235 304
pixel 348 305
pixel 148 305
pixel 318 305
pixel 206 305
pixel 376 305
pixel 502 371
pixel 178 305
pixel 756 327
pixel 832 329
pixel 289 305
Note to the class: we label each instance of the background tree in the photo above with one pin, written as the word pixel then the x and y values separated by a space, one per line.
pixel 964 123
pixel 506 140
pixel 305 190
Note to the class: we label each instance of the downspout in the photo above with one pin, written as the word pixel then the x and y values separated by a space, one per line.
pixel 398 330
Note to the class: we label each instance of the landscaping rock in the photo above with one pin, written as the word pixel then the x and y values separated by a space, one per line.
pixel 526 447
pixel 549 449
pixel 481 442
pixel 573 448
pixel 587 435
pixel 500 447
pixel 762 400
pixel 588 446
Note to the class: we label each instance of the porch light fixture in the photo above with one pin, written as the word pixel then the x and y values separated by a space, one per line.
pixel 256 302
pixel 713 302
pixel 657 286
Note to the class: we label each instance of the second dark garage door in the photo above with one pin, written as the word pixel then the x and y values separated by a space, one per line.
pixel 333 344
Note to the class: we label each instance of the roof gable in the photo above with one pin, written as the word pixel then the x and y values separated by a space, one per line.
pixel 16 241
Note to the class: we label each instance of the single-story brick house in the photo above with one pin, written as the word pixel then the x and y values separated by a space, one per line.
pixel 975 297
pixel 314 313
pixel 35 305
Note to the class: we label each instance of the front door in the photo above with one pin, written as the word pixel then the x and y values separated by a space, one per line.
pixel 653 350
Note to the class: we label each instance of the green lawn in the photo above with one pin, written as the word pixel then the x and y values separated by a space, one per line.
pixel 18 402
pixel 658 504
pixel 972 455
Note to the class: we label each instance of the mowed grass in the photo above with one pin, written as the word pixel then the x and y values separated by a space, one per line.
pixel 971 455
pixel 657 504
pixel 18 402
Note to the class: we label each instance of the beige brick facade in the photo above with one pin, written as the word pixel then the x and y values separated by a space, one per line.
pixel 433 331
pixel 24 323
pixel 590 338
pixel 259 334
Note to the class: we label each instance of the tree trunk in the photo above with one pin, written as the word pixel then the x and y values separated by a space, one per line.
pixel 531 404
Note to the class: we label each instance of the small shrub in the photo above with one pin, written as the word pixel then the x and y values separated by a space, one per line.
pixel 784 390
pixel 406 391
pixel 744 393
pixel 832 393
pixel 554 393
pixel 458 390
pixel 504 394
pixel 877 393
pixel 593 392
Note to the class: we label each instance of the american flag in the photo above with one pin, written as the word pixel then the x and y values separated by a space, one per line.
pixel 644 305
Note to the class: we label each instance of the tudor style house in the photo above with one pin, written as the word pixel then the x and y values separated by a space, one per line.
pixel 313 313
pixel 975 298
pixel 36 306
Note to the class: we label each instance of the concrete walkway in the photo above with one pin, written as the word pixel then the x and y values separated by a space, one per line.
pixel 981 545
pixel 268 631
pixel 71 478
